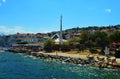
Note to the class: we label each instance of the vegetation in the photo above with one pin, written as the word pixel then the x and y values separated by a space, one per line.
pixel 65 47
pixel 100 39
pixel 94 28
pixel 48 45
pixel 92 38
pixel 92 41
pixel 115 37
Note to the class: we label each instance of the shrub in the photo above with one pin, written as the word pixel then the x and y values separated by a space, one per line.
pixel 65 47
pixel 56 47
pixel 48 45
pixel 93 50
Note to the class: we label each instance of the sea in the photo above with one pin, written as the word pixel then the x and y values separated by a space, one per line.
pixel 21 66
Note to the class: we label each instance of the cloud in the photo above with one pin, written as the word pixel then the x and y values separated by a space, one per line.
pixel 7 30
pixel 108 10
pixel 4 1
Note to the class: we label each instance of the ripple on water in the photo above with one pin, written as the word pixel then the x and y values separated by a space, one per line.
pixel 20 66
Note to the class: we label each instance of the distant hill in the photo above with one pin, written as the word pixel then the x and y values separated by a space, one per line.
pixel 111 28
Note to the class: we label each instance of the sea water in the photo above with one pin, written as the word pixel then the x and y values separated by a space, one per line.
pixel 20 66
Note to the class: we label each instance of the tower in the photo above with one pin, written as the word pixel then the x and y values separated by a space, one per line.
pixel 61 39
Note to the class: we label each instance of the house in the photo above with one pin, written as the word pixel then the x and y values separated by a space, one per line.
pixel 56 38
pixel 28 38
pixel 67 36
pixel 42 37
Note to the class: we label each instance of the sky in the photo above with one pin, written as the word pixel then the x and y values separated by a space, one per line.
pixel 42 16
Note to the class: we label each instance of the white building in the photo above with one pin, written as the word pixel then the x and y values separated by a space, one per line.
pixel 56 38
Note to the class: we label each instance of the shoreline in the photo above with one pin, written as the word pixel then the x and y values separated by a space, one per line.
pixel 88 60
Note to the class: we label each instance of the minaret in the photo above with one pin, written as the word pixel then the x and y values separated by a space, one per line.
pixel 61 39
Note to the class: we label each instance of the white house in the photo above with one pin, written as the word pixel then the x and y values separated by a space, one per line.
pixel 56 38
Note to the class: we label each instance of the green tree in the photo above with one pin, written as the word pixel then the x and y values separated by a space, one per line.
pixel 86 39
pixel 48 45
pixel 100 39
pixel 65 47
pixel 56 47
pixel 115 37
pixel 85 35
pixel 73 43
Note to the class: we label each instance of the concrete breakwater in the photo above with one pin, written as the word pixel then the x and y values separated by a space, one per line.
pixel 89 61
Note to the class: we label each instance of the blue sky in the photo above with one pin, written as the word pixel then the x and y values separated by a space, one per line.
pixel 44 15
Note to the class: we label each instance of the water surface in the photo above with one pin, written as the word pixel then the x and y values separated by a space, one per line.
pixel 20 66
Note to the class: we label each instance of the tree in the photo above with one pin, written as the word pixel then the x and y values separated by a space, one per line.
pixel 115 37
pixel 85 35
pixel 48 45
pixel 86 39
pixel 73 43
pixel 100 39
pixel 56 47
pixel 65 47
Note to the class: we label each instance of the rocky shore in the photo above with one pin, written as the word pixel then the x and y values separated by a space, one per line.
pixel 89 61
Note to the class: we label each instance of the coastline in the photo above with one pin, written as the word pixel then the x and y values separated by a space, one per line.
pixel 81 59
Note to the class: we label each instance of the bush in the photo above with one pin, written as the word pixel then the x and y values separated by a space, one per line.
pixel 81 47
pixel 73 43
pixel 93 50
pixel 65 47
pixel 48 45
pixel 56 47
